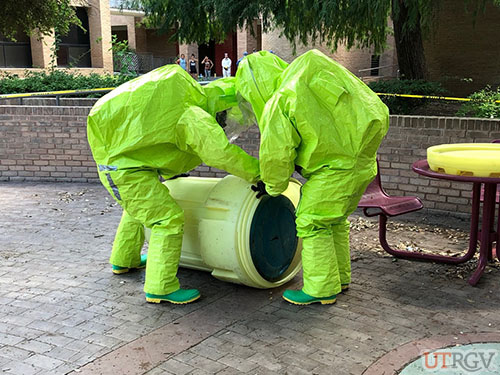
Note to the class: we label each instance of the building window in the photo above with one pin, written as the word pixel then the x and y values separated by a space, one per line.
pixel 74 48
pixel 120 32
pixel 15 54
pixel 375 63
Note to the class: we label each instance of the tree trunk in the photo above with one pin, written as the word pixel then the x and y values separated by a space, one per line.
pixel 409 45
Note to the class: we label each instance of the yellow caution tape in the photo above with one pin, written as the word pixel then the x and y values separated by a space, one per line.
pixel 88 91
pixel 439 98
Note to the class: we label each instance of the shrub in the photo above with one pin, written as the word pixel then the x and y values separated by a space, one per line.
pixel 124 58
pixel 485 108
pixel 406 86
pixel 56 80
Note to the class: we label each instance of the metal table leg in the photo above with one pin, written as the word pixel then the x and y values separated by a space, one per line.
pixel 497 242
pixel 487 224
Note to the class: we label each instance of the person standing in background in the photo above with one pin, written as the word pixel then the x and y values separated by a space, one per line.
pixel 226 66
pixel 208 67
pixel 192 66
pixel 182 62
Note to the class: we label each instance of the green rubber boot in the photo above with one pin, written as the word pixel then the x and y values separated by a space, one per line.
pixel 117 270
pixel 298 297
pixel 179 297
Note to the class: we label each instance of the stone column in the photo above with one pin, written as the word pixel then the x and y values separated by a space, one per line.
pixel 131 34
pixel 42 49
pixel 188 49
pixel 100 34
pixel 246 42
pixel 141 40
pixel 241 41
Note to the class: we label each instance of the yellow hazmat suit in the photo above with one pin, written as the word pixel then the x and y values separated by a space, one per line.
pixel 161 123
pixel 315 115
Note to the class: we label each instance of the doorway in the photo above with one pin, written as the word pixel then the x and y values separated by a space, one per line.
pixel 206 50
pixel 215 52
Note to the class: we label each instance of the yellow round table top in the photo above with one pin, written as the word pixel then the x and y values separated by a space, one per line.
pixel 465 159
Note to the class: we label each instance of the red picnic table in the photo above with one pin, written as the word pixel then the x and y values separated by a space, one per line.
pixel 486 235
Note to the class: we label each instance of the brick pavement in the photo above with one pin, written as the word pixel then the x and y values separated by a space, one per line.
pixel 62 310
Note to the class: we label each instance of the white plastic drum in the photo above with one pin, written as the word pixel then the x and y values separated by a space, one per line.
pixel 235 236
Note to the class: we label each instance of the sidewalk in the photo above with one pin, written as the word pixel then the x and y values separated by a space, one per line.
pixel 62 310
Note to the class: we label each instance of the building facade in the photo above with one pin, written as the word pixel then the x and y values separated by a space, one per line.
pixel 462 50
pixel 84 51
pixel 362 62
pixel 149 49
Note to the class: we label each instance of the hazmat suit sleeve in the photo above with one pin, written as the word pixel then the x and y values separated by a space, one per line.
pixel 279 140
pixel 198 132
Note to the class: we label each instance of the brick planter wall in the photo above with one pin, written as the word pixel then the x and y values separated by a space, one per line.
pixel 43 143
pixel 42 101
pixel 50 144
pixel 407 142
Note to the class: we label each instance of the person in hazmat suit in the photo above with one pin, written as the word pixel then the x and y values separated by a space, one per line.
pixel 316 117
pixel 160 124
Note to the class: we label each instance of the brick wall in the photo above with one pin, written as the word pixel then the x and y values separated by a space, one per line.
pixel 49 144
pixel 461 45
pixel 407 142
pixel 353 59
pixel 42 101
pixel 160 45
pixel 45 143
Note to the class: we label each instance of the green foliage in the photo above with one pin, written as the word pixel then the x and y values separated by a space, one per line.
pixel 360 23
pixel 57 80
pixel 353 23
pixel 406 86
pixel 28 15
pixel 420 14
pixel 485 106
pixel 123 57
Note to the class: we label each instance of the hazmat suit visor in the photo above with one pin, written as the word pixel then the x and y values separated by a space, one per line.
pixel 237 119
pixel 221 95
pixel 257 78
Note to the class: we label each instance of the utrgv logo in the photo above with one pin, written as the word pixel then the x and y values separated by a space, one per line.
pixel 465 361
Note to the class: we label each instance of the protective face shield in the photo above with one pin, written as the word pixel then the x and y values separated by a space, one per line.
pixel 237 119
pixel 257 78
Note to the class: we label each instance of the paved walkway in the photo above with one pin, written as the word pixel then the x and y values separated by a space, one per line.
pixel 61 309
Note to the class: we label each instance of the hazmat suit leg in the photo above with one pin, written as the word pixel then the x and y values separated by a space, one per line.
pixel 147 200
pixel 340 234
pixel 319 264
pixel 328 198
pixel 128 243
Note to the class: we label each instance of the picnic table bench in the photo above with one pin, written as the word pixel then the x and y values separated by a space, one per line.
pixel 376 202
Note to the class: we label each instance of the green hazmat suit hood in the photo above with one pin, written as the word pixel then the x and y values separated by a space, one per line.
pixel 258 77
pixel 164 120
pixel 221 95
